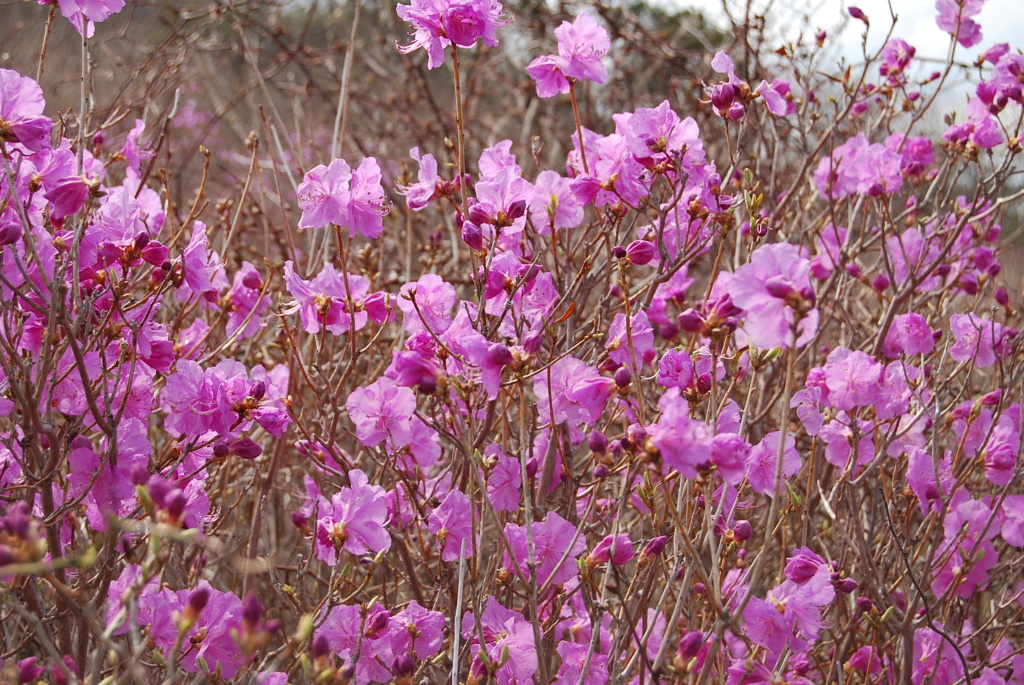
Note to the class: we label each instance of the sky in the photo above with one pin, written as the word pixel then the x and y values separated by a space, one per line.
pixel 1001 22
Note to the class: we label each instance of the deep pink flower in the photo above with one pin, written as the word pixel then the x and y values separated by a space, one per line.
pixel 353 520
pixel 382 411
pixel 909 334
pixel 581 45
pixel 504 480
pixel 200 264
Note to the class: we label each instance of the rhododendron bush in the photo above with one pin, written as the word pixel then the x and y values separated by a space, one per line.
pixel 476 362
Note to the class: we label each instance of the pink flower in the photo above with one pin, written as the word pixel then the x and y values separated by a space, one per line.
pixel 641 333
pixel 571 392
pixel 83 13
pixel 451 522
pixel 21 112
pixel 553 539
pixel 353 520
pixel 508 642
pixel 422 193
pixel 323 301
pixel 857 166
pixel 909 334
pixel 382 411
pixel 432 308
pixel 200 264
pixel 504 480
pixel 852 378
pixel 976 338
pixel 336 194
pixel 684 443
pixel 581 45
pixel 955 19
pixel 772 287
pixel 574 660
pixel 553 205
pixel 440 23
pixel 763 461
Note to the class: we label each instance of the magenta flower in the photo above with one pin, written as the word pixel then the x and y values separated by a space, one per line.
pixel 581 45
pixel 417 630
pixel 772 288
pixel 552 538
pixel 440 23
pixel 21 112
pixel 246 304
pixel 896 56
pixel 976 338
pixel 336 194
pixel 353 520
pixel 382 411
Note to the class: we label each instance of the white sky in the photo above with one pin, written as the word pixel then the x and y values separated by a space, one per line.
pixel 1001 22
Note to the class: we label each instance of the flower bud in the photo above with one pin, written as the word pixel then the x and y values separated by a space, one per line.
pixel 736 111
pixel 880 283
pixel 10 234
pixel 472 236
pixel 655 547
pixel 1002 297
pixel 691 321
pixel 252 612
pixel 619 252
pixel 743 531
pixel 690 645
pixel 478 215
pixel 722 96
pixel 258 390
pixel 499 354
pixel 847 585
pixel 197 600
pixel 597 442
pixel 516 209
pixel 858 13
pixel 246 448
pixel 623 377
pixel 864 604
pixel 532 342
pixel 252 280
pixel 641 252
pixel 321 647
